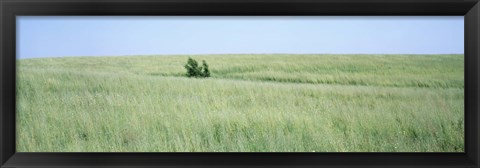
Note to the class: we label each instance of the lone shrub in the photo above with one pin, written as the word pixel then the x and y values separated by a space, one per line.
pixel 193 70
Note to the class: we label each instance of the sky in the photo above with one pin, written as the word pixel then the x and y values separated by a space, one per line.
pixel 58 36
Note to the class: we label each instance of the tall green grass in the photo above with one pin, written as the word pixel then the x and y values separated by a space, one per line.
pixel 252 103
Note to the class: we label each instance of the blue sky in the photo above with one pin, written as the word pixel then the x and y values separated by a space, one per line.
pixel 55 36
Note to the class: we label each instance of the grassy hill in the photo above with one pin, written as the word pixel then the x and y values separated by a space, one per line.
pixel 260 103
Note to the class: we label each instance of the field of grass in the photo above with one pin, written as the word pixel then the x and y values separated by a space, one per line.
pixel 252 103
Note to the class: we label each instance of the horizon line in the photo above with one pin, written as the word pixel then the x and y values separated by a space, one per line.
pixel 242 54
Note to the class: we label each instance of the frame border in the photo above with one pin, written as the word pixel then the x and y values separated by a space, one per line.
pixel 9 9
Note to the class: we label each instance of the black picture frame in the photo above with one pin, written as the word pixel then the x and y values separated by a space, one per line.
pixel 9 9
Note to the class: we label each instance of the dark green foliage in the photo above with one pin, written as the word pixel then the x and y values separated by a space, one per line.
pixel 206 72
pixel 193 70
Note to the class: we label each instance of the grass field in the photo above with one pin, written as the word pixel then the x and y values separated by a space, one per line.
pixel 252 103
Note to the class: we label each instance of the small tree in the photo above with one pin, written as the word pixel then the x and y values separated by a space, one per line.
pixel 192 68
pixel 206 72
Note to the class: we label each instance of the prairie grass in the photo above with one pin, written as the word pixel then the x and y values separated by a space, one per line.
pixel 252 103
